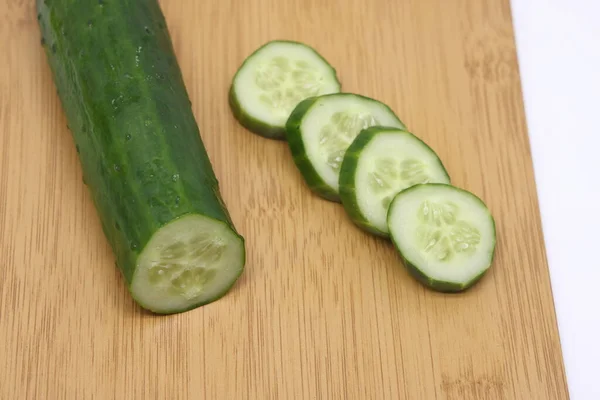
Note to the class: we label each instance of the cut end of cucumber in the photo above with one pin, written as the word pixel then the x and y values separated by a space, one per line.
pixel 273 80
pixel 380 163
pixel 445 235
pixel 191 261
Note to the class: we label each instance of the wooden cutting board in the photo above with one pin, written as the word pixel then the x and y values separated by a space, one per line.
pixel 323 310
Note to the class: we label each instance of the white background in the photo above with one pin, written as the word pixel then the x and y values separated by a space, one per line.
pixel 558 44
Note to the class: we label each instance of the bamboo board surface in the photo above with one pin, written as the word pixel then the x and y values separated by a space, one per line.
pixel 323 310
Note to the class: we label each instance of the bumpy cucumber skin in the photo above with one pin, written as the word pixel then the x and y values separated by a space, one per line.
pixel 348 172
pixel 435 284
pixel 252 124
pixel 130 117
pixel 296 145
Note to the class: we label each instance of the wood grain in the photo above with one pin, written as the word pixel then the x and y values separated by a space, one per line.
pixel 323 310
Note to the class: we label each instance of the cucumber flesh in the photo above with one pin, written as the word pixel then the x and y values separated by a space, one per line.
pixel 190 262
pixel 273 80
pixel 380 163
pixel 320 129
pixel 445 235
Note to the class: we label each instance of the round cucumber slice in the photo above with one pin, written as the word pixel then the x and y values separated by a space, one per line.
pixel 445 235
pixel 379 163
pixel 273 80
pixel 321 128
pixel 189 262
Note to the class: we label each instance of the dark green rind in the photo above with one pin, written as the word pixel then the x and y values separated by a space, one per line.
pixel 437 285
pixel 296 144
pixel 427 281
pixel 255 125
pixel 130 116
pixel 348 173
pixel 347 185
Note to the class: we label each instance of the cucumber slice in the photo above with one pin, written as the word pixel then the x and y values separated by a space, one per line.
pixel 320 129
pixel 379 163
pixel 445 235
pixel 273 80
pixel 189 262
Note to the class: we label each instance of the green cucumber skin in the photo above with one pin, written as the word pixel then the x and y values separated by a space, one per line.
pixel 130 117
pixel 296 145
pixel 252 124
pixel 347 174
pixel 435 284
pixel 347 186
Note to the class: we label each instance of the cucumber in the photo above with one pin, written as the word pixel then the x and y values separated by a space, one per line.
pixel 140 150
pixel 273 80
pixel 321 128
pixel 379 163
pixel 445 235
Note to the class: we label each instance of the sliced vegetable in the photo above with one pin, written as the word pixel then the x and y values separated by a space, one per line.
pixel 190 261
pixel 141 154
pixel 320 129
pixel 273 80
pixel 445 235
pixel 379 163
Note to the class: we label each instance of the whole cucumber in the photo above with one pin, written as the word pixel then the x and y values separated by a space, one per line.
pixel 141 152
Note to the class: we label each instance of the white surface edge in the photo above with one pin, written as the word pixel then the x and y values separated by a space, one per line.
pixel 558 46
